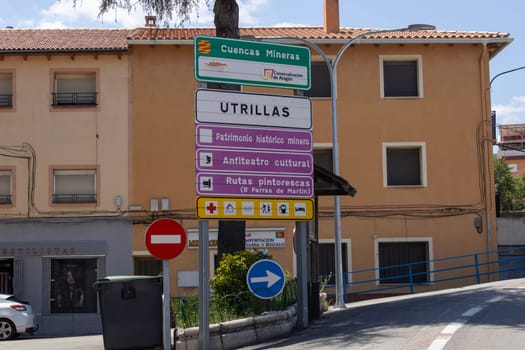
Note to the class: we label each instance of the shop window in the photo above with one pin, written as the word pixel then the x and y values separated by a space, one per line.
pixel 6 187
pixel 74 186
pixel 72 285
pixel 320 85
pixel 404 164
pixel 75 89
pixel 6 90
pixel 394 260
pixel 401 76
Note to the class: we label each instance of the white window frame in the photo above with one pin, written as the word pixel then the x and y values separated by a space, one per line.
pixel 430 252
pixel 389 58
pixel 74 172
pixel 422 161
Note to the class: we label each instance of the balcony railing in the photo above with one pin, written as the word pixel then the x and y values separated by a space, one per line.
pixel 74 198
pixel 6 100
pixel 74 98
pixel 5 199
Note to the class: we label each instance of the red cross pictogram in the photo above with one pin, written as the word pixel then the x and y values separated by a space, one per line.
pixel 210 208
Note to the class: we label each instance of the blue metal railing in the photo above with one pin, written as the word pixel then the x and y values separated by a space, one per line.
pixel 470 266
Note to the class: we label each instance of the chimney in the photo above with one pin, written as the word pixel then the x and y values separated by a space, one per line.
pixel 331 16
pixel 151 21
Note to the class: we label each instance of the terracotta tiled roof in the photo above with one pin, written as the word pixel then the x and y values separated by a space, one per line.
pixel 313 33
pixel 93 40
pixel 63 40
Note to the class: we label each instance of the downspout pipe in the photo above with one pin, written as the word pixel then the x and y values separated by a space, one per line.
pixel 487 156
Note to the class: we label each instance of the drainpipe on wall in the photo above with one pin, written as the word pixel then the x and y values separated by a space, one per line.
pixel 487 155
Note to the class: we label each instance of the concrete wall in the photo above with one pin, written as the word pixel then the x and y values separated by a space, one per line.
pixel 511 229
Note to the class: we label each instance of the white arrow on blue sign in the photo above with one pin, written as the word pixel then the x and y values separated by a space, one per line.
pixel 266 279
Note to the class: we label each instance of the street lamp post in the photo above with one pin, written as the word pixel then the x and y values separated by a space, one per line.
pixel 332 66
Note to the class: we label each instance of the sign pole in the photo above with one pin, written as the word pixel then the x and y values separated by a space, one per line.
pixel 165 240
pixel 166 303
pixel 204 290
pixel 302 274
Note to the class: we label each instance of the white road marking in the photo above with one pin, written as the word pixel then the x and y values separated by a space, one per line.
pixel 447 332
pixel 472 311
pixel 451 328
pixel 496 299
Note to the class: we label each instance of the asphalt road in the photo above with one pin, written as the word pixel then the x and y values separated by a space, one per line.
pixel 489 316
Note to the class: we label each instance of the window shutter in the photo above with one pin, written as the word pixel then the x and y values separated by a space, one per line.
pixel 5 183
pixel 75 182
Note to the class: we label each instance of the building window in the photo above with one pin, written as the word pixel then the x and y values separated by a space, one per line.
pixel 398 261
pixel 74 186
pixel 327 261
pixel 320 86
pixel 72 286
pixel 513 168
pixel 404 164
pixel 147 266
pixel 401 76
pixel 6 90
pixel 323 158
pixel 6 187
pixel 75 89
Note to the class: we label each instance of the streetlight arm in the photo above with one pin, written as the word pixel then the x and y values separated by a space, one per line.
pixel 357 37
pixel 505 72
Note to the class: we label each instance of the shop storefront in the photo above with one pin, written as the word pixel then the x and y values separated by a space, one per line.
pixel 53 263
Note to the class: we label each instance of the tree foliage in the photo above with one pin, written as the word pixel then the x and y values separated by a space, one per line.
pixel 226 11
pixel 230 276
pixel 511 189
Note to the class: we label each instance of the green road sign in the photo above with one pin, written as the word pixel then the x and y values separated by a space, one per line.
pixel 252 63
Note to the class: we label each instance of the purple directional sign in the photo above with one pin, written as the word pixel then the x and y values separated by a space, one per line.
pixel 222 136
pixel 232 184
pixel 211 159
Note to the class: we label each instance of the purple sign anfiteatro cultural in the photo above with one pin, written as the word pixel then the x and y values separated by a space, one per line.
pixel 216 136
pixel 209 159
pixel 246 185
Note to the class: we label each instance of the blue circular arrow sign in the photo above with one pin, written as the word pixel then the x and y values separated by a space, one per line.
pixel 266 279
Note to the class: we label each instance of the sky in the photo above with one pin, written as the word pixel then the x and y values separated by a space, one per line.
pixel 504 16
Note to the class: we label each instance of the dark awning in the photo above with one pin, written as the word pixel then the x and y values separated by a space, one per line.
pixel 326 183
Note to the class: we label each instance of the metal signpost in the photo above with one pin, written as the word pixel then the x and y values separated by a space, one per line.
pixel 262 170
pixel 271 156
pixel 165 240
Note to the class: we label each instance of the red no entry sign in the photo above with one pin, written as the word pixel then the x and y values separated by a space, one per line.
pixel 165 239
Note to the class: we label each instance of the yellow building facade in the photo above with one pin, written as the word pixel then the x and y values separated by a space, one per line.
pixel 421 160
pixel 98 141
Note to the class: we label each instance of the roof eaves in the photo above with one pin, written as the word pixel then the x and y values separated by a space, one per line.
pixel 160 41
pixel 62 51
